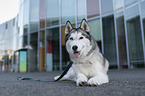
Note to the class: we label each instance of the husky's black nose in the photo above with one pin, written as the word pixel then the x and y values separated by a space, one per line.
pixel 75 48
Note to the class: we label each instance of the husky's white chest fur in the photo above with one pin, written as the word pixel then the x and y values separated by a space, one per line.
pixel 90 67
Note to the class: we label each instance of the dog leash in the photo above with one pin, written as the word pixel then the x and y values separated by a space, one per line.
pixel 64 72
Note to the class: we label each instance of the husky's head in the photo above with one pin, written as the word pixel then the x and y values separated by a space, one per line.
pixel 78 40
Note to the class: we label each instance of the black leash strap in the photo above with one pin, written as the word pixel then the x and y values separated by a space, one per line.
pixel 64 72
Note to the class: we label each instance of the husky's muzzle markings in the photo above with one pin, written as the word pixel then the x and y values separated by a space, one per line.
pixel 89 66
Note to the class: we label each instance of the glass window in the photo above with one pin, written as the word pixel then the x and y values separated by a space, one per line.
pixel 92 8
pixel 121 39
pixel 33 52
pixel 143 15
pixel 34 15
pixel 20 22
pixel 109 39
pixel 42 13
pixel 132 12
pixel 20 39
pixel 1 33
pixel 81 9
pixel 118 4
pixel 134 35
pixel 25 40
pixel 6 25
pixel 25 22
pixel 52 12
pixel 67 11
pixel 129 2
pixel 14 22
pixel 52 54
pixel 143 9
pixel 135 40
pixel 144 26
pixel 2 40
pixel 25 15
pixel 95 30
pixel 107 7
pixel 9 35
pixel 42 51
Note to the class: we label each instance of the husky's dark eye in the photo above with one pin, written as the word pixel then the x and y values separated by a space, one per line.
pixel 71 38
pixel 81 38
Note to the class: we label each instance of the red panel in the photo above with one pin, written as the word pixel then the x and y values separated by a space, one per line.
pixel 49 46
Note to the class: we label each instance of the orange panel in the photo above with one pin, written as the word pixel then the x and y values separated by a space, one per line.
pixel 42 59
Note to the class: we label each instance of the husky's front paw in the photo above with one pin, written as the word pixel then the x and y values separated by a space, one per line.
pixel 97 81
pixel 93 82
pixel 81 82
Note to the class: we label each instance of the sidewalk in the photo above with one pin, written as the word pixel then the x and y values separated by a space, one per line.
pixel 122 83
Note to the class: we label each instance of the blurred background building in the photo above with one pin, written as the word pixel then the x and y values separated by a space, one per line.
pixel 36 35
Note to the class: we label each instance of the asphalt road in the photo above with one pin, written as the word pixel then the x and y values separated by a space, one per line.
pixel 122 83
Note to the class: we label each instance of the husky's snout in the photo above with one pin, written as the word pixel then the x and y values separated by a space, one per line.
pixel 76 53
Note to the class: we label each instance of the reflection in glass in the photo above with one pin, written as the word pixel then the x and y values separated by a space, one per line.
pixel 20 23
pixel 144 27
pixel 52 12
pixel 129 2
pixel 143 15
pixel 25 22
pixel 42 13
pixel 121 40
pixel 95 30
pixel 25 16
pixel 34 15
pixel 33 52
pixel 143 9
pixel 118 4
pixel 81 9
pixel 25 40
pixel 109 39
pixel 107 8
pixel 68 11
pixel 42 51
pixel 92 8
pixel 52 54
pixel 132 12
pixel 135 40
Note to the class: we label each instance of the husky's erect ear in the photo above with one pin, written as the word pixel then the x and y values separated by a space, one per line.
pixel 84 25
pixel 68 27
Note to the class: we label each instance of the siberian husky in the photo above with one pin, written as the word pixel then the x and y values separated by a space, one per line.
pixel 89 66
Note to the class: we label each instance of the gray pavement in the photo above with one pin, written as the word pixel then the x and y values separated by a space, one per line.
pixel 122 83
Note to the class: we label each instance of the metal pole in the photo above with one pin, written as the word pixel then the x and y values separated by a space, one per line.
pixel 142 31
pixel 60 48
pixel 101 27
pixel 127 48
pixel 116 36
pixel 28 40
pixel 38 49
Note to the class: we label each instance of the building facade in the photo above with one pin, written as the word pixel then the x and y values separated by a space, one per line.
pixel 118 26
